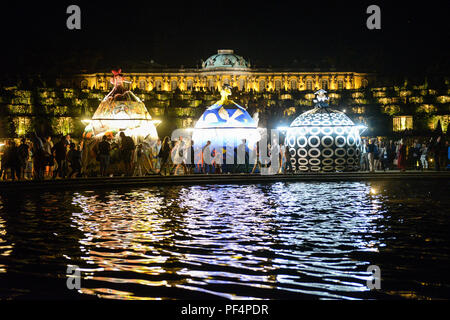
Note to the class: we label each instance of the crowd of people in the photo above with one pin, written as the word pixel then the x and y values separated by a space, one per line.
pixel 46 158
pixel 404 154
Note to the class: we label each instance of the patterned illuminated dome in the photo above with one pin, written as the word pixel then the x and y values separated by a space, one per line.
pixel 225 59
pixel 225 123
pixel 225 114
pixel 120 111
pixel 324 139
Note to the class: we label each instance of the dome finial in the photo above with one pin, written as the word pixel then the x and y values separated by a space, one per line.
pixel 321 99
pixel 225 92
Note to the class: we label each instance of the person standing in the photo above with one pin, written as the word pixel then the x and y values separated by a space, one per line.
pixel 48 154
pixel 191 157
pixel 38 157
pixel 371 155
pixel 127 148
pixel 364 163
pixel 74 159
pixel 155 152
pixel 390 155
pixel 179 154
pixel 423 157
pixel 164 154
pixel 257 159
pixel 416 155
pixel 206 158
pixel 288 163
pixel 6 160
pixel 242 157
pixel 104 150
pixel 23 152
pixel 401 156
pixel 59 150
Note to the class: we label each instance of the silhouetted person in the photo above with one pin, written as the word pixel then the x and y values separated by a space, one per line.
pixel 23 153
pixel 59 150
pixel 164 154
pixel 104 149
pixel 74 158
pixel 127 152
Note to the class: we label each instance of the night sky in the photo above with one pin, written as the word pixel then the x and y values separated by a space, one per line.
pixel 413 38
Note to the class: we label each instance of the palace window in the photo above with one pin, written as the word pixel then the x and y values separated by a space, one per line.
pixel 364 83
pixel 293 84
pixel 340 85
pixel 308 85
pixel 242 84
pixel 189 85
pixel 262 85
pixel 142 84
pixel 226 82
pixel 325 84
pixel 84 84
pixel 211 84
pixel 401 123
pixel 158 85
pixel 277 85
pixel 173 85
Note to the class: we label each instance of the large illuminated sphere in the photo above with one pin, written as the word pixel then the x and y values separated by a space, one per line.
pixel 324 139
pixel 225 123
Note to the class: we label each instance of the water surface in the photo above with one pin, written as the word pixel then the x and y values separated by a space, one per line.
pixel 267 241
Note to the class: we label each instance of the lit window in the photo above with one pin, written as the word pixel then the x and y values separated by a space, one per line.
pixel 340 84
pixel 158 85
pixel 309 85
pixel 84 84
pixel 189 85
pixel 293 85
pixel 242 84
pixel 401 123
pixel 142 84
pixel 173 85
pixel 364 83
pixel 262 85
pixel 277 85
pixel 325 84
pixel 211 84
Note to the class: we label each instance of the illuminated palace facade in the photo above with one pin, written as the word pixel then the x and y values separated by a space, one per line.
pixel 226 67
pixel 179 96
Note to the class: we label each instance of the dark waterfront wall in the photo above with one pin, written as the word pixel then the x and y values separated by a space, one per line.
pixel 56 110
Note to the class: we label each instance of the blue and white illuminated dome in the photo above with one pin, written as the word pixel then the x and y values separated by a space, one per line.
pixel 226 122
pixel 225 59
pixel 324 139
pixel 226 114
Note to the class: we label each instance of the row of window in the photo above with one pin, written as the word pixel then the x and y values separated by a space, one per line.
pixel 241 84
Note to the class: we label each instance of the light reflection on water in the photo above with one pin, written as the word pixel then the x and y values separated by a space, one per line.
pixel 281 240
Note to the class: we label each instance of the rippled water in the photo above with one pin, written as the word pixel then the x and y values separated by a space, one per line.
pixel 265 241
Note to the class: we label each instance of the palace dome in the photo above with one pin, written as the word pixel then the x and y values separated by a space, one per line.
pixel 324 139
pixel 225 59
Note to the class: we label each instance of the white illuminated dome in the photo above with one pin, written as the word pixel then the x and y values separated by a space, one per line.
pixel 225 123
pixel 324 139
